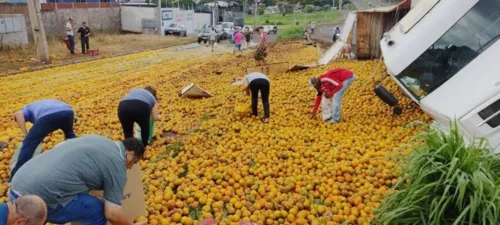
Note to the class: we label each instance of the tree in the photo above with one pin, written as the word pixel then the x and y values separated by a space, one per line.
pixel 309 8
pixel 327 7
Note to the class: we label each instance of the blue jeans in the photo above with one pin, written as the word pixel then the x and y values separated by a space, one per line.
pixel 71 43
pixel 331 107
pixel 84 208
pixel 44 126
pixel 337 98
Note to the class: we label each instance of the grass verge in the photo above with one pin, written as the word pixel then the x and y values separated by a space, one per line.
pixel 291 33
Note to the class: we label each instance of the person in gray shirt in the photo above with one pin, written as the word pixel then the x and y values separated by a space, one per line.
pixel 136 107
pixel 63 177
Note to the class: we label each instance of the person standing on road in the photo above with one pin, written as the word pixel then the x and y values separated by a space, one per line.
pixel 137 107
pixel 47 116
pixel 238 38
pixel 260 53
pixel 63 177
pixel 336 33
pixel 71 35
pixel 26 210
pixel 248 35
pixel 84 37
pixel 331 87
pixel 313 25
pixel 253 83
pixel 212 38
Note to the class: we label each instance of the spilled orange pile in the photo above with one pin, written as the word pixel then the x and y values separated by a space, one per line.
pixel 208 161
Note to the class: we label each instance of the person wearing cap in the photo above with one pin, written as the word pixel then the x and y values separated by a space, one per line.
pixel 331 87
pixel 26 210
pixel 46 116
pixel 253 83
pixel 64 176
pixel 84 37
pixel 71 35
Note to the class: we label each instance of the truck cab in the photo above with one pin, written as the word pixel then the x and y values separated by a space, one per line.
pixel 443 55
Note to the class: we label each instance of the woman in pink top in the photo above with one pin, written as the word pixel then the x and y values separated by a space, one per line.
pixel 238 38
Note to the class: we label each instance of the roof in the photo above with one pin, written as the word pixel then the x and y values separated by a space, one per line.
pixel 402 5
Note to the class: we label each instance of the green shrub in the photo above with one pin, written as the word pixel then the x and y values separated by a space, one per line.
pixel 309 8
pixel 290 33
pixel 280 23
pixel 445 181
pixel 327 7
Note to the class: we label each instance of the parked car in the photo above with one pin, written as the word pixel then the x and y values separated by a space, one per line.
pixel 269 29
pixel 204 35
pixel 176 29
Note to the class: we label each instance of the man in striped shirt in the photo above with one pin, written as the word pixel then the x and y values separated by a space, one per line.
pixel 331 87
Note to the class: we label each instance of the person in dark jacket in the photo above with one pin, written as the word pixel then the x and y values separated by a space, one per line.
pixel 137 107
pixel 331 87
pixel 84 37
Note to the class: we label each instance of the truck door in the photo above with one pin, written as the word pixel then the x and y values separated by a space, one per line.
pixel 484 121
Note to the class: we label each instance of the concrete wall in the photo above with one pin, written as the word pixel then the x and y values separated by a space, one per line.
pixel 98 19
pixel 99 16
pixel 7 8
pixel 13 37
pixel 131 17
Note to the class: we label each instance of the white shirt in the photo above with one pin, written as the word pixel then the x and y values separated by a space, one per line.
pixel 313 25
pixel 253 76
pixel 69 27
pixel 212 35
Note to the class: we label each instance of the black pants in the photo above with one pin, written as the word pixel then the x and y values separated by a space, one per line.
pixel 263 86
pixel 85 45
pixel 134 111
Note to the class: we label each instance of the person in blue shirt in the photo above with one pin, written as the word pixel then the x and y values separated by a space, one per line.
pixel 137 107
pixel 26 210
pixel 46 116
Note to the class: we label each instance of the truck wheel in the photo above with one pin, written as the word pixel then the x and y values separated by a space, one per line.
pixel 199 40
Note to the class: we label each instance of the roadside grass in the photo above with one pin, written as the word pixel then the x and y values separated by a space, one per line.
pixel 290 19
pixel 292 32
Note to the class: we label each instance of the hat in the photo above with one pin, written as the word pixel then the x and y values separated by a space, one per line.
pixel 313 81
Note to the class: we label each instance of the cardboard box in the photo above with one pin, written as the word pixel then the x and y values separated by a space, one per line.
pixel 133 203
pixel 194 91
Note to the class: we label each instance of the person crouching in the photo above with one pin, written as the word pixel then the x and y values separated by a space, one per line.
pixel 331 87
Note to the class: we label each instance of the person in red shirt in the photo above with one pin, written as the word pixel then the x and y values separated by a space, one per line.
pixel 331 87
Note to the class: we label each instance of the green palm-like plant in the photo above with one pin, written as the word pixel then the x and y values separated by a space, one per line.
pixel 445 181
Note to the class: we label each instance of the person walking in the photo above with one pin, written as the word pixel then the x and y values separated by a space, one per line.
pixel 71 35
pixel 26 210
pixel 238 38
pixel 84 37
pixel 212 38
pixel 260 53
pixel 336 34
pixel 253 83
pixel 63 177
pixel 46 116
pixel 331 87
pixel 248 35
pixel 137 107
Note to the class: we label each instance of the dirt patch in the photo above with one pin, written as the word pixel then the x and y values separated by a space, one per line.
pixel 169 134
pixel 3 145
pixel 18 60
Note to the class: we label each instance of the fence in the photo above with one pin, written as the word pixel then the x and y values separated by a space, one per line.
pixel 12 30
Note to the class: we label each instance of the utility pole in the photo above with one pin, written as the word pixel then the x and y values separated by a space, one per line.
pixel 340 5
pixel 42 49
pixel 158 16
pixel 255 14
